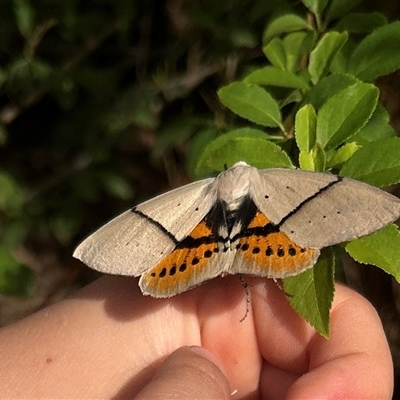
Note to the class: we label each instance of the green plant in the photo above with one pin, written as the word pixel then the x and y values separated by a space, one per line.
pixel 313 106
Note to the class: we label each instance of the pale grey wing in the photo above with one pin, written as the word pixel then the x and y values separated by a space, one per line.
pixel 139 238
pixel 318 210
pixel 278 191
pixel 345 211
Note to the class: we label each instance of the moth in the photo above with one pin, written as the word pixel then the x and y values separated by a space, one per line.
pixel 268 223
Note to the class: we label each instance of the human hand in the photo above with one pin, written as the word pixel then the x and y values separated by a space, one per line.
pixel 108 341
pixel 188 373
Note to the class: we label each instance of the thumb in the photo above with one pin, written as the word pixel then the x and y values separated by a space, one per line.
pixel 188 373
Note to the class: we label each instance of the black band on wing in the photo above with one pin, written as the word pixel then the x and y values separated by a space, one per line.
pixel 264 231
pixel 157 224
pixel 190 242
pixel 250 209
pixel 308 199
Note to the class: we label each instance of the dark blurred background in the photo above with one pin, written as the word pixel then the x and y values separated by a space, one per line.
pixel 102 105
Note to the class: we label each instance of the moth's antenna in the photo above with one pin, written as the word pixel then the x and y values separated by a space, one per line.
pixel 278 282
pixel 247 291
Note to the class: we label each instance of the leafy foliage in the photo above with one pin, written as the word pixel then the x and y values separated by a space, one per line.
pixel 91 90
pixel 325 106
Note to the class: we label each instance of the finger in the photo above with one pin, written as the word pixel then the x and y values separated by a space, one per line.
pixel 354 363
pixel 188 373
pixel 357 354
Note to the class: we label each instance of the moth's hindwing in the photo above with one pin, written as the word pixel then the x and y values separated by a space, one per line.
pixel 263 250
pixel 196 259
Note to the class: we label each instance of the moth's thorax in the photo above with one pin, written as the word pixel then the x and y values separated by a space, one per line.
pixel 233 185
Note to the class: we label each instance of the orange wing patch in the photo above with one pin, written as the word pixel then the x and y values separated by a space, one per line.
pixel 272 254
pixel 184 267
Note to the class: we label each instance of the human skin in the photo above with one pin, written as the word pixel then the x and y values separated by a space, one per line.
pixel 108 341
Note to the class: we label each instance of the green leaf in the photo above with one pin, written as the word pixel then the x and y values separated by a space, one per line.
pixel 326 88
pixel 314 160
pixel 15 279
pixel 134 106
pixel 378 54
pixel 11 195
pixel 311 292
pixel 117 186
pixel 341 60
pixel 305 128
pixel 339 8
pixel 63 227
pixel 15 232
pixel 251 102
pixel 306 160
pixel 341 155
pixel 197 145
pixel 275 53
pixel 361 22
pixel 296 45
pixel 246 144
pixel 345 113
pixel 25 73
pixel 323 54
pixel 319 157
pixel 377 163
pixel 24 16
pixel 294 96
pixel 315 6
pixel 276 77
pixel 243 38
pixel 175 133
pixel 380 249
pixel 306 45
pixel 378 127
pixel 284 24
